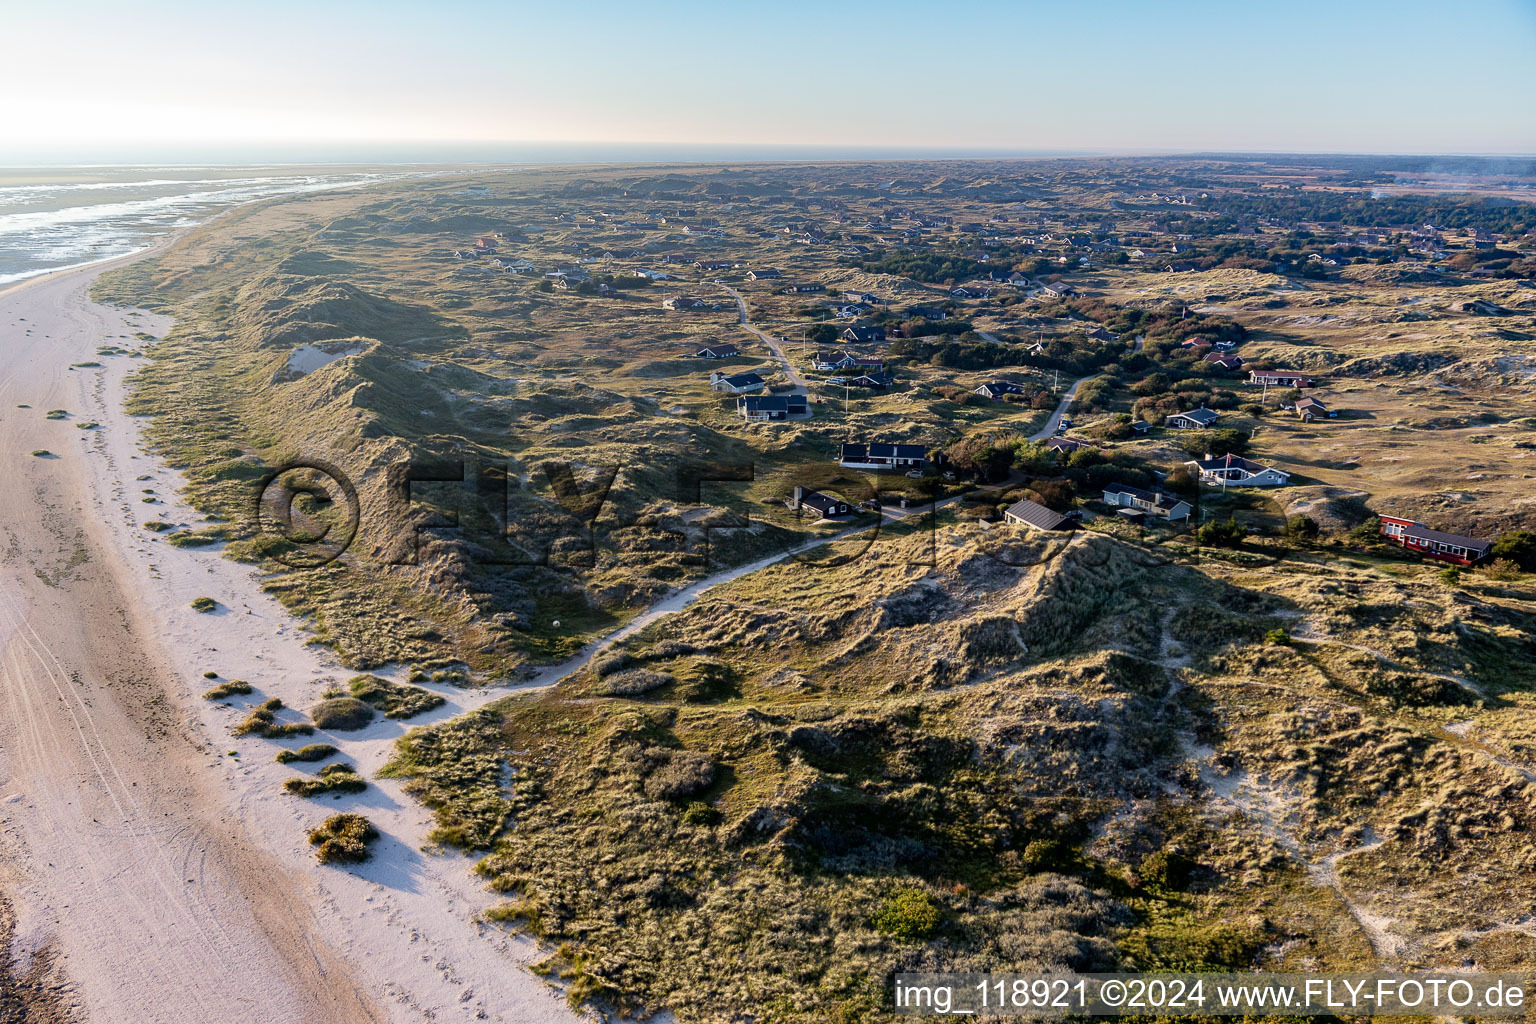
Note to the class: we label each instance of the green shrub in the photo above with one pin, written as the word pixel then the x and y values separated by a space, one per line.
pixel 395 700
pixel 1278 637
pixel 333 778
pixel 42 453
pixel 908 914
pixel 341 713
pixel 700 813
pixel 311 752
pixel 204 604
pixel 1451 575
pixel 228 689
pixel 343 839
pixel 263 722
pixel 1217 533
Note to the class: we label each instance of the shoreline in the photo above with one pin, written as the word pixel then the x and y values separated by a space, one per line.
pixel 402 923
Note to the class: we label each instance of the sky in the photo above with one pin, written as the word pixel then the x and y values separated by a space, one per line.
pixel 87 81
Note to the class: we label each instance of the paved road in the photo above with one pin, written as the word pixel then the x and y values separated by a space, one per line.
pixel 773 343
pixel 1061 409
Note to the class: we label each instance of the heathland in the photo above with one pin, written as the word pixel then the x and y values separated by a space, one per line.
pixel 1264 737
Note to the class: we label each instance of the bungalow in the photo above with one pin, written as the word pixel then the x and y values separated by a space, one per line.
pixel 1037 517
pixel 1156 503
pixel 766 408
pixel 824 505
pixel 1279 378
pixel 1061 443
pixel 1309 409
pixel 876 381
pixel 1100 334
pixel 1196 343
pixel 1448 547
pixel 736 384
pixel 1141 426
pixel 1225 360
pixel 996 389
pixel 714 264
pixel 860 334
pixel 852 311
pixel 725 351
pixel 809 286
pixel 1227 470
pixel 1194 419
pixel 682 302
pixel 1058 290
pixel 863 298
pixel 1018 280
pixel 971 293
pixel 764 275
pixel 879 455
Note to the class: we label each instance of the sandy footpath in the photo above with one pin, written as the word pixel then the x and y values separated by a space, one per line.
pixel 155 854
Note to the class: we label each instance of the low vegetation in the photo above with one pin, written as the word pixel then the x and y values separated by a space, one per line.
pixel 228 689
pixel 343 714
pixel 263 722
pixel 333 778
pixel 344 839
pixel 310 752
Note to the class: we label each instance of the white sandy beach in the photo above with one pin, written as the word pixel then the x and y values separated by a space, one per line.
pixel 173 880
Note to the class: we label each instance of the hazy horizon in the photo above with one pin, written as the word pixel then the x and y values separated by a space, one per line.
pixel 168 80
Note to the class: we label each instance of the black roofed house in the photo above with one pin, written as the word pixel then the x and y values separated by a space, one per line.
pixel 1154 503
pixel 1100 334
pixel 809 286
pixel 824 505
pixel 714 264
pixel 878 380
pixel 768 408
pixel 1061 443
pixel 725 351
pixel 1447 547
pixel 1141 426
pixel 682 302
pixel 861 334
pixel 736 384
pixel 879 455
pixel 1035 516
pixel 1194 419
pixel 1234 470
pixel 766 274
pixel 1058 290
pixel 863 298
pixel 996 389
pixel 1225 360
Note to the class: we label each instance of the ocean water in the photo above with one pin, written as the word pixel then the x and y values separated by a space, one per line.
pixel 52 219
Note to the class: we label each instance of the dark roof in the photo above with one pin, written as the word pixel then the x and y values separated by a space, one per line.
pixel 1233 462
pixel 1157 498
pixel 1424 533
pixel 1066 444
pixel 1198 415
pixel 718 350
pixel 742 380
pixel 772 403
pixel 881 450
pixel 822 503
pixel 879 379
pixel 1006 387
pixel 1037 516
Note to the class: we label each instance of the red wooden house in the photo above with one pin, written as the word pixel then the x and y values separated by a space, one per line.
pixel 1448 547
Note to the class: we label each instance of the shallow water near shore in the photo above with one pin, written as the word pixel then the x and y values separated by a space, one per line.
pixel 59 218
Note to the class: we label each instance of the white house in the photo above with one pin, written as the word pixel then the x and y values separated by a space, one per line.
pixel 1153 503
pixel 1194 419
pixel 1236 471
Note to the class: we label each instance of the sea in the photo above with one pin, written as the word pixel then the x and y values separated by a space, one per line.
pixel 58 218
